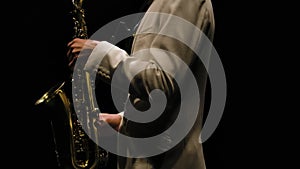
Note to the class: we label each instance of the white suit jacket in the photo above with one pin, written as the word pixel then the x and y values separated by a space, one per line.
pixel 169 29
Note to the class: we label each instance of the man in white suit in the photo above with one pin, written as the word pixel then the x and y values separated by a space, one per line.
pixel 169 28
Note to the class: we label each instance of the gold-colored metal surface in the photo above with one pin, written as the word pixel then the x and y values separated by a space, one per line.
pixel 80 151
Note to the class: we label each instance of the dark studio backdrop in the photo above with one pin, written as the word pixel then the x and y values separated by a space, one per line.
pixel 46 29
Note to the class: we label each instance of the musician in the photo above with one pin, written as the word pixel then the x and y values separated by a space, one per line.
pixel 52 26
pixel 152 54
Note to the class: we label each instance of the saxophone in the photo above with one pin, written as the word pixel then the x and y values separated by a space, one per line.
pixel 79 151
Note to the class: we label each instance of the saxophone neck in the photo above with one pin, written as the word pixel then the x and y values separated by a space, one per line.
pixel 80 28
pixel 77 3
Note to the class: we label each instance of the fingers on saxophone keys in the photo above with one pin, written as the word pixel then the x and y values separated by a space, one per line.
pixel 73 60
pixel 99 122
pixel 70 43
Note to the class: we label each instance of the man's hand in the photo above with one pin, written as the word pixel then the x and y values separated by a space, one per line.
pixel 79 46
pixel 114 120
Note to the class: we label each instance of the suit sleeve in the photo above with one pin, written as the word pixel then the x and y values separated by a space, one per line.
pixel 151 65
pixel 162 52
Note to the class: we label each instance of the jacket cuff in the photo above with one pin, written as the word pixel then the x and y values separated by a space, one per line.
pixel 97 55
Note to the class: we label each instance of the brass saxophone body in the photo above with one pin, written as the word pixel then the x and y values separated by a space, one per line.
pixel 73 146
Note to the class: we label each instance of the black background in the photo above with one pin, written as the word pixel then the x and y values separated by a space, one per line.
pixel 40 32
